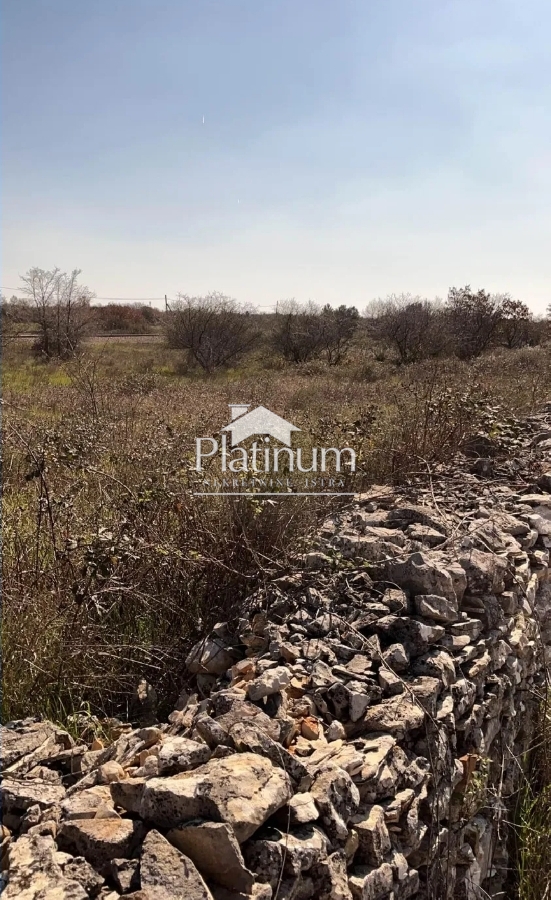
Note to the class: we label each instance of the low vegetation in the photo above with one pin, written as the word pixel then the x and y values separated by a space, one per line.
pixel 534 815
pixel 112 566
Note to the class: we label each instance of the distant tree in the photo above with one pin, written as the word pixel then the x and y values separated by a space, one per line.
pixel 120 317
pixel 411 325
pixel 474 320
pixel 215 330
pixel 338 328
pixel 298 331
pixel 516 323
pixel 10 320
pixel 60 307
pixel 151 314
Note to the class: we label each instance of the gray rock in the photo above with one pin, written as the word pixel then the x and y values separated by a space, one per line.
pixel 485 572
pixel 243 790
pixel 34 873
pixel 300 810
pixel 125 873
pixel 166 874
pixel 397 716
pixel 396 657
pixel 100 840
pixel 77 869
pixel 371 884
pixel 441 609
pixel 420 574
pixel 19 795
pixel 214 849
pixel 271 682
pixel 373 836
pixel 337 798
pixel 212 656
pixel 128 794
pixel 179 754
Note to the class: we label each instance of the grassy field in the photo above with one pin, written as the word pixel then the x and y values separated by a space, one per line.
pixel 112 566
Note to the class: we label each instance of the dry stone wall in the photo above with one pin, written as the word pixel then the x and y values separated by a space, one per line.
pixel 357 735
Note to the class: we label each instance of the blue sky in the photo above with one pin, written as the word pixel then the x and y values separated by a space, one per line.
pixel 348 149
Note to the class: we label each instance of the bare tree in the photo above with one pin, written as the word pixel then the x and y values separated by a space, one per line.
pixel 516 323
pixel 60 306
pixel 339 326
pixel 411 325
pixel 11 319
pixel 474 320
pixel 215 330
pixel 299 331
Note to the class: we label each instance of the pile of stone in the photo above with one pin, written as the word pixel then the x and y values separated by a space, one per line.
pixel 355 736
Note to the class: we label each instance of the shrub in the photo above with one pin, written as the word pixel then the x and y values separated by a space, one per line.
pixel 60 307
pixel 215 330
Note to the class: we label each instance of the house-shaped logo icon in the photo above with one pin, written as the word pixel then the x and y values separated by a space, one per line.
pixel 259 421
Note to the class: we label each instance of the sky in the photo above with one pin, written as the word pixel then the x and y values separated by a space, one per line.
pixel 322 150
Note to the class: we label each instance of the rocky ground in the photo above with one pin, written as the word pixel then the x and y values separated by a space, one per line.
pixel 355 735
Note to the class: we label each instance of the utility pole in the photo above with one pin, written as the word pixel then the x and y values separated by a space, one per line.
pixel 166 303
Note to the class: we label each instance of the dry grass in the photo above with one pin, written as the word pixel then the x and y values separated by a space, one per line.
pixel 111 565
pixel 534 818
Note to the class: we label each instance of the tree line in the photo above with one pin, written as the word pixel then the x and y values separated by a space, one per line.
pixel 215 330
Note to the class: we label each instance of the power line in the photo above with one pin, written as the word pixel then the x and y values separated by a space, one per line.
pixel 164 299
pixel 116 299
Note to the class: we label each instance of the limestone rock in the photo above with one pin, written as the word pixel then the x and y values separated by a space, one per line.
pixel 79 870
pixel 166 874
pixel 125 873
pixel 441 609
pixel 420 573
pixel 271 682
pixel 34 874
pixel 243 790
pixel 337 798
pixel 485 572
pixel 19 795
pixel 374 839
pixel 19 739
pixel 212 656
pixel 100 840
pixel 214 849
pixel 371 884
pixel 178 754
pixel 397 716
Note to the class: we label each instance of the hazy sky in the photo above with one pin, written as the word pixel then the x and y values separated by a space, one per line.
pixel 349 149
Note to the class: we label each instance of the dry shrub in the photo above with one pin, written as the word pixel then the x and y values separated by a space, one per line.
pixel 111 566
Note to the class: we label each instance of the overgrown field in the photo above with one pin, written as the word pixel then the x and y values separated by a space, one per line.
pixel 111 565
